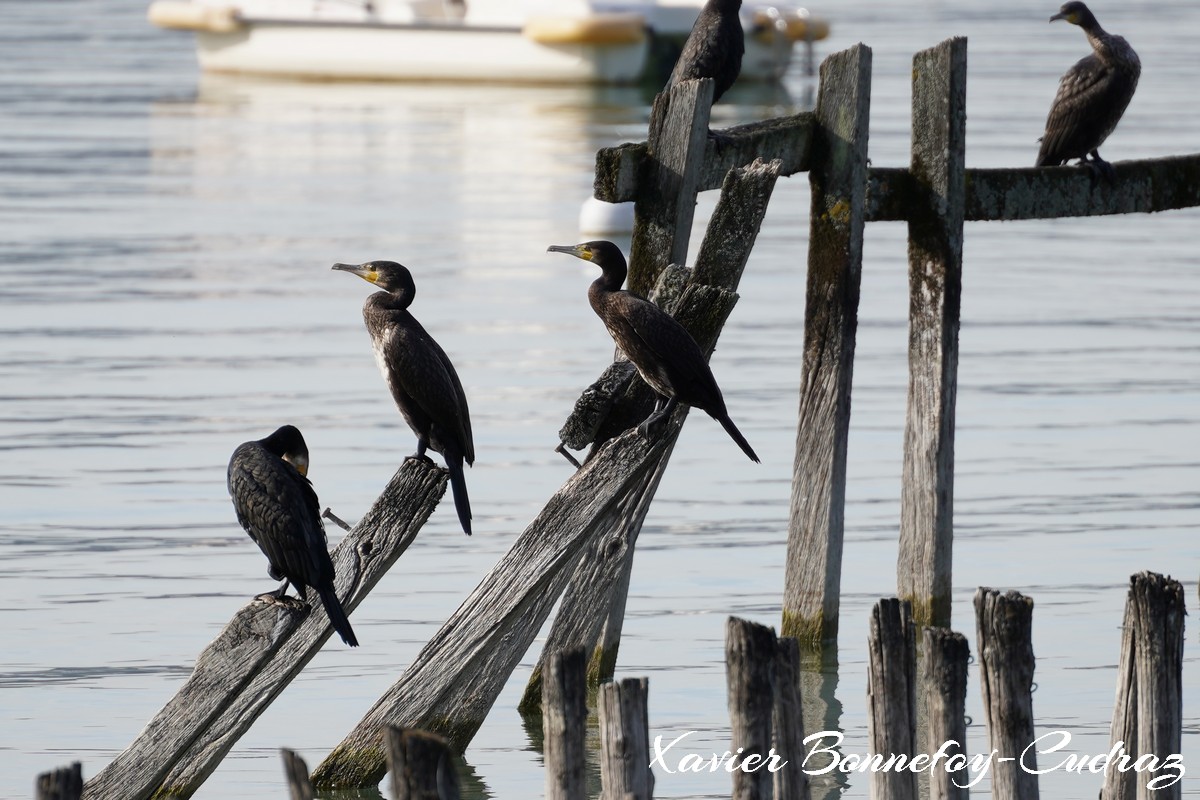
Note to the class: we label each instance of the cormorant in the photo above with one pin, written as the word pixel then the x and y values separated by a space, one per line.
pixel 1091 97
pixel 713 49
pixel 665 354
pixel 419 374
pixel 277 506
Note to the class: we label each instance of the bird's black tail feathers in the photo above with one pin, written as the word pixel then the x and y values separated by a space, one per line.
pixel 337 617
pixel 458 487
pixel 736 435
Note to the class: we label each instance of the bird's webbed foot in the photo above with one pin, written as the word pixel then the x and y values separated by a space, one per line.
pixel 652 427
pixel 279 598
pixel 422 446
pixel 1100 168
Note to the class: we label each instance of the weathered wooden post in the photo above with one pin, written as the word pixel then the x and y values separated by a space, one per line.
pixel 625 772
pixel 422 765
pixel 891 697
pixel 838 176
pixel 787 722
pixel 259 653
pixel 453 682
pixel 592 611
pixel 1148 712
pixel 750 655
pixel 564 723
pixel 1005 633
pixel 945 654
pixel 667 187
pixel 935 240
pixel 64 783
pixel 295 772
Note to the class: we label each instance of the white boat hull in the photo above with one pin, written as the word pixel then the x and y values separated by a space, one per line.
pixel 396 52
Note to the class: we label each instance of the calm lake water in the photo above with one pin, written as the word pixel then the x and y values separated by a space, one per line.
pixel 165 294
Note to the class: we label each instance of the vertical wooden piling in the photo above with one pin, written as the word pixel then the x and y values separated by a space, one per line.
pixel 945 654
pixel 666 202
pixel 1148 713
pixel 891 697
pixel 295 772
pixel 1005 645
pixel 64 783
pixel 787 723
pixel 750 675
pixel 564 715
pixel 625 772
pixel 935 236
pixel 1122 784
pixel 838 178
pixel 422 765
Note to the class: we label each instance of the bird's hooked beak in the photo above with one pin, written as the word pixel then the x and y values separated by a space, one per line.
pixel 365 271
pixel 577 250
pixel 1072 18
pixel 299 461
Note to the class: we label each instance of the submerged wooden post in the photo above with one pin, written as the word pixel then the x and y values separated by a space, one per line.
pixel 625 772
pixel 422 765
pixel 787 723
pixel 935 240
pixel 891 697
pixel 945 654
pixel 592 611
pixel 667 187
pixel 260 651
pixel 1148 712
pixel 64 783
pixel 295 771
pixel 1005 646
pixel 453 682
pixel 564 715
pixel 1122 784
pixel 838 175
pixel 750 654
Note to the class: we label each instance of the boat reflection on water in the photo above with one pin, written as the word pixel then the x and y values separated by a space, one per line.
pixel 416 149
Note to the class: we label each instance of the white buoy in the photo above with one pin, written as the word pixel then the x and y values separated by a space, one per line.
pixel 596 217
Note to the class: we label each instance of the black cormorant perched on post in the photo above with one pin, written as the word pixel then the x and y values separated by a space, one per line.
pixel 1091 97
pixel 277 506
pixel 665 354
pixel 419 374
pixel 713 49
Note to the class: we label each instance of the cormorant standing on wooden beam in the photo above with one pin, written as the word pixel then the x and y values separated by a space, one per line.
pixel 713 49
pixel 665 354
pixel 1091 97
pixel 277 506
pixel 419 374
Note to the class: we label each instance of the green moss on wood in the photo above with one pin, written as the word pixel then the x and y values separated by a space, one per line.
pixel 930 612
pixel 531 700
pixel 351 768
pixel 809 631
pixel 458 732
pixel 602 666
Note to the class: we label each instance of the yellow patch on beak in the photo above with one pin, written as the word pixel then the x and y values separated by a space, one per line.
pixel 299 462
